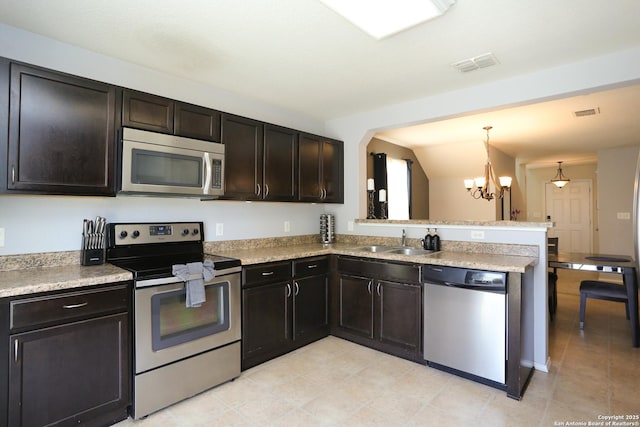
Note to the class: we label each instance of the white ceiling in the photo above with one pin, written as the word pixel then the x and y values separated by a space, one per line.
pixel 300 55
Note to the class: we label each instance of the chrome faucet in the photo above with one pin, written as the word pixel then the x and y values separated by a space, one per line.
pixel 404 238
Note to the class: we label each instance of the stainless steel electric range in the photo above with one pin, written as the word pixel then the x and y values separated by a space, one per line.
pixel 179 351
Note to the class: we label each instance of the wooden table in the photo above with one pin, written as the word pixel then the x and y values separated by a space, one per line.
pixel 602 263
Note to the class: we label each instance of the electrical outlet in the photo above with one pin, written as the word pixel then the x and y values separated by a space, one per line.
pixel 1 237
pixel 219 229
pixel 477 234
pixel 624 215
pixel 349 225
pixel 287 226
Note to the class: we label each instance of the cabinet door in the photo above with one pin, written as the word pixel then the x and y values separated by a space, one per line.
pixel 279 174
pixel 197 122
pixel 356 305
pixel 145 111
pixel 332 171
pixel 61 133
pixel 265 319
pixel 399 315
pixel 70 374
pixel 243 157
pixel 309 172
pixel 310 308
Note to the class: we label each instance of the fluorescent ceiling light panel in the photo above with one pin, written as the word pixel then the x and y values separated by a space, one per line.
pixel 382 18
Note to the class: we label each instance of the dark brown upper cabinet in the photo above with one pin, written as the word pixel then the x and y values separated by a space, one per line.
pixel 196 122
pixel 242 139
pixel 61 133
pixel 279 163
pixel 321 170
pixel 260 160
pixel 150 112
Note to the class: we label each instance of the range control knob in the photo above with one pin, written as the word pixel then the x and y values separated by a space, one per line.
pixel 185 232
pixel 135 234
pixel 195 231
pixel 123 234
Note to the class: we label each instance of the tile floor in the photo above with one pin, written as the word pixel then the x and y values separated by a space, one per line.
pixel 337 383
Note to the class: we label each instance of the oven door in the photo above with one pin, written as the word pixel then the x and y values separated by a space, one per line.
pixel 151 168
pixel 167 331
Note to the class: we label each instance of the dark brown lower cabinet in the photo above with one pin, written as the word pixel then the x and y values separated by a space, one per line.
pixel 265 322
pixel 69 358
pixel 283 310
pixel 70 374
pixel 310 311
pixel 381 313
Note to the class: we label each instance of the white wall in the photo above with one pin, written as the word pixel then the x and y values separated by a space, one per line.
pixel 616 178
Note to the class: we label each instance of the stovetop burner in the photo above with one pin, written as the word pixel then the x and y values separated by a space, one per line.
pixel 149 250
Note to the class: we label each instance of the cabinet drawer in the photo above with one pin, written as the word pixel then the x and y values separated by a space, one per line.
pixel 310 267
pixel 395 271
pixel 266 273
pixel 67 306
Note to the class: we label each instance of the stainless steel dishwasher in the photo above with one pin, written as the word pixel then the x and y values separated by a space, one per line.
pixel 465 322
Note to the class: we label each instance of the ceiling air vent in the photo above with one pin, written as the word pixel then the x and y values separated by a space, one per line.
pixel 471 64
pixel 589 112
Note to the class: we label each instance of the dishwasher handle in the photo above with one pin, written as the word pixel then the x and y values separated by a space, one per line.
pixel 478 287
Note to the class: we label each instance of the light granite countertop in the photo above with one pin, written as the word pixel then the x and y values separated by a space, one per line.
pixel 481 261
pixel 33 273
pixel 44 279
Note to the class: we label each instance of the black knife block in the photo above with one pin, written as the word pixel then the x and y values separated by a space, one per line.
pixel 91 256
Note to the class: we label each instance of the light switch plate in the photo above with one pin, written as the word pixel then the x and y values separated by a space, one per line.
pixel 1 237
pixel 624 215
pixel 287 226
pixel 219 229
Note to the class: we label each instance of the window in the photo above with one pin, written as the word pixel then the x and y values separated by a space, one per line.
pixel 399 188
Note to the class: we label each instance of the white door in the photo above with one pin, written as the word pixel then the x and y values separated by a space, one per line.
pixel 570 210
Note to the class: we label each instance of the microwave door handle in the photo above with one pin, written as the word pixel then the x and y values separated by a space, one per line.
pixel 207 173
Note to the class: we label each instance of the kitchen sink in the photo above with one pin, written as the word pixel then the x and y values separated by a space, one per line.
pixel 399 250
pixel 409 251
pixel 375 248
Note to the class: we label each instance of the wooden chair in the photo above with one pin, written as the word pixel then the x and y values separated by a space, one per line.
pixel 601 290
pixel 552 248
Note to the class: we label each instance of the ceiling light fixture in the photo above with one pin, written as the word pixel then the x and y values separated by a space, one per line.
pixel 560 180
pixel 383 18
pixel 482 183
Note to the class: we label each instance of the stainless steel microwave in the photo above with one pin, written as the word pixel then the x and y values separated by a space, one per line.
pixel 159 164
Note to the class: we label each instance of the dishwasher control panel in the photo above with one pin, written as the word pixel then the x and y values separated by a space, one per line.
pixel 454 276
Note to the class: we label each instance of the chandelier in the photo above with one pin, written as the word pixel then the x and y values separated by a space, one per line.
pixel 482 183
pixel 560 180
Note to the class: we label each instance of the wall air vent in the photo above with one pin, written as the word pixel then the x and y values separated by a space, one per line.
pixel 588 112
pixel 480 61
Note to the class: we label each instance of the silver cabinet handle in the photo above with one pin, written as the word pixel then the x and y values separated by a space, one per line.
pixel 297 288
pixel 312 266
pixel 378 289
pixel 324 193
pixel 288 290
pixel 82 304
pixel 267 273
pixel 258 189
pixel 13 174
pixel 369 286
pixel 266 190
pixel 15 350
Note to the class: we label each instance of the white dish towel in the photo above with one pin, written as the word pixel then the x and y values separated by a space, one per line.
pixel 194 274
